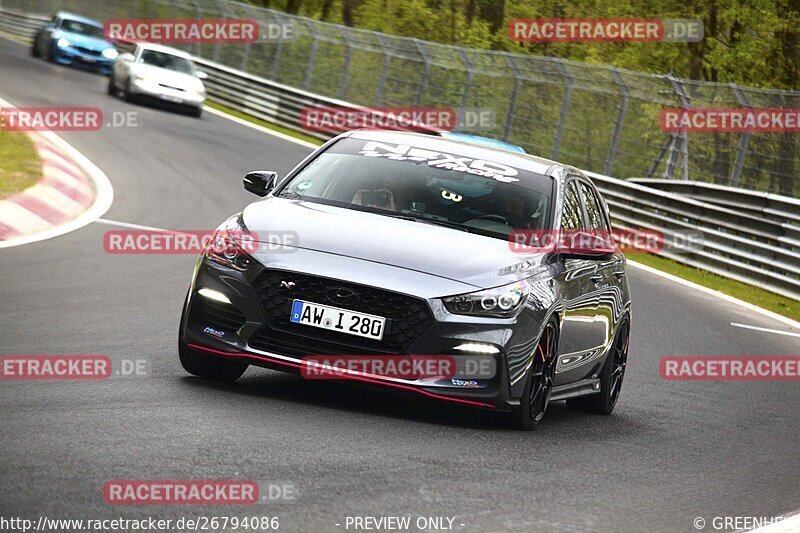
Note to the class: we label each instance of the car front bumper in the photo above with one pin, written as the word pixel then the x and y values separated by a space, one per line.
pixel 73 56
pixel 251 327
pixel 152 89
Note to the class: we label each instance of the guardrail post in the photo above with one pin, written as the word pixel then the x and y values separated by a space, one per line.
pixel 623 106
pixel 657 159
pixel 468 83
pixel 224 14
pixel 426 68
pixel 744 140
pixel 277 55
pixel 669 171
pixel 312 56
pixel 512 104
pixel 565 104
pixel 245 57
pixel 384 70
pixel 681 139
pixel 196 46
pixel 346 69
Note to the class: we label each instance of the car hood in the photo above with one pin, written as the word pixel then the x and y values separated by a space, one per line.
pixel 167 77
pixel 475 260
pixel 85 41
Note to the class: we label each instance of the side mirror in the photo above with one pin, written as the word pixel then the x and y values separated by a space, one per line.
pixel 202 75
pixel 126 57
pixel 260 182
pixel 588 245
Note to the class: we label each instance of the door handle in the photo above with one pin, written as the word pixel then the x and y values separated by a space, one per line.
pixel 597 278
pixel 619 274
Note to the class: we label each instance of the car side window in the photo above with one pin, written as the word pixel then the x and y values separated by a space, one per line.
pixel 572 217
pixel 596 219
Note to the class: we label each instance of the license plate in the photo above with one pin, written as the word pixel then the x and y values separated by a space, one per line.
pixel 335 319
pixel 171 99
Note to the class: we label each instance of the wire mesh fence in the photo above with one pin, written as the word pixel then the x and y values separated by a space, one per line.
pixel 595 117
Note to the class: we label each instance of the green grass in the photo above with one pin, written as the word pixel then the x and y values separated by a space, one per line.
pixel 749 293
pixel 19 163
pixel 263 123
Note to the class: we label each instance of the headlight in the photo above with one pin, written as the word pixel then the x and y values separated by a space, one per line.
pixel 110 53
pixel 231 243
pixel 63 43
pixel 501 302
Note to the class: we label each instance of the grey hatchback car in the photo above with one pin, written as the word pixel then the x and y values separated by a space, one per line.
pixel 393 246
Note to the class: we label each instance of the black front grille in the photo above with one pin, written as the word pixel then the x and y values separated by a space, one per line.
pixel 88 51
pixel 406 316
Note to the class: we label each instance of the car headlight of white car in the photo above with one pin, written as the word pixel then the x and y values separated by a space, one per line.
pixel 110 53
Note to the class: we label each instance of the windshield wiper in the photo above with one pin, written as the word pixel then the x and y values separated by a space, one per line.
pixel 445 223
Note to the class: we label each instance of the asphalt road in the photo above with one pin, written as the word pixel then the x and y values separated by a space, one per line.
pixel 671 452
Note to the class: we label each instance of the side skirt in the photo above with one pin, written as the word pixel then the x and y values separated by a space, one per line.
pixel 584 387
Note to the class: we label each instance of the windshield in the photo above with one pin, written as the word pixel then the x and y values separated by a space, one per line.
pixel 167 61
pixel 428 186
pixel 73 26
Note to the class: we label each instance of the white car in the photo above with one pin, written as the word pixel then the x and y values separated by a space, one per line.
pixel 159 73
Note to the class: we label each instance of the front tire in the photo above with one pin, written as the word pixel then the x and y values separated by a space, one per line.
pixel 112 86
pixel 127 94
pixel 49 53
pixel 611 378
pixel 536 395
pixel 36 49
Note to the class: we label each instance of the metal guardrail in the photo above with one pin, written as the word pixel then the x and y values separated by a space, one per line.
pixel 270 101
pixel 735 244
pixel 23 25
pixel 262 98
pixel 764 204
pixel 739 243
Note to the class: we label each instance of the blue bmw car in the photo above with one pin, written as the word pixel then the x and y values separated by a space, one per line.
pixel 74 40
